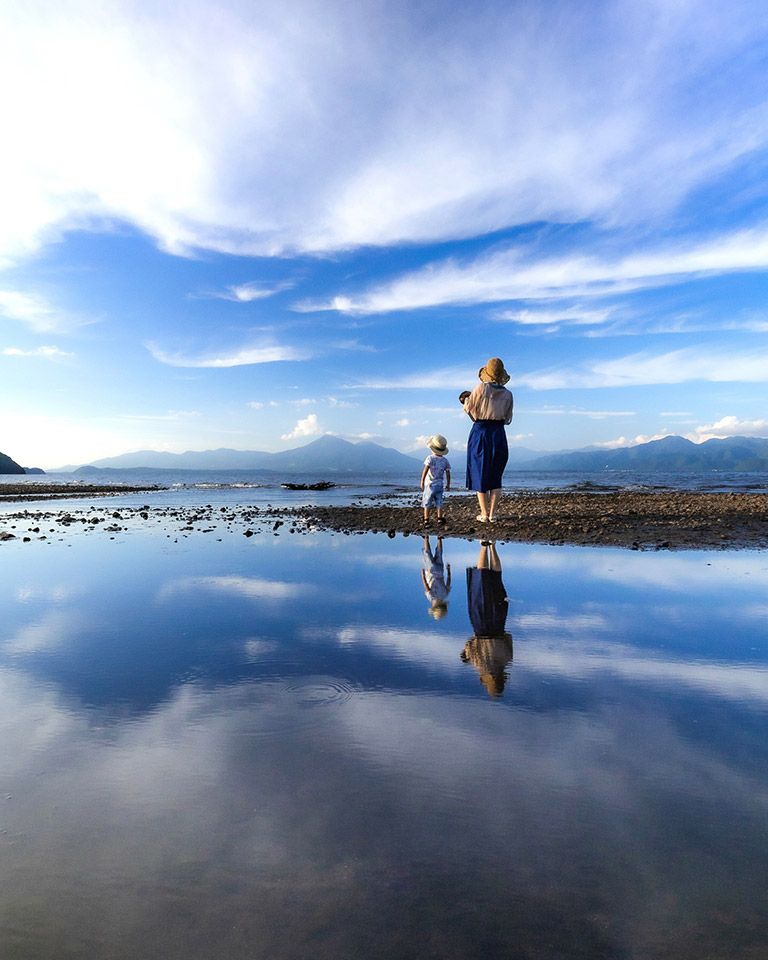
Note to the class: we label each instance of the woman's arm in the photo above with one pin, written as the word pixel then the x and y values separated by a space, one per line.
pixel 511 409
pixel 471 402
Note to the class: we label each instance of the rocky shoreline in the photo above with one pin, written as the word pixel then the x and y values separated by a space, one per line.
pixel 28 492
pixel 638 521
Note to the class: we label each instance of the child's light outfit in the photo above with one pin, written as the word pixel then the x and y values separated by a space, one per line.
pixel 434 574
pixel 434 482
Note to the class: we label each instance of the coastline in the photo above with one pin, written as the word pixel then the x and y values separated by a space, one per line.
pixel 638 521
pixel 26 492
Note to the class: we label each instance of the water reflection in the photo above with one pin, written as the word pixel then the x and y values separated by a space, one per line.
pixel 437 582
pixel 490 649
pixel 252 751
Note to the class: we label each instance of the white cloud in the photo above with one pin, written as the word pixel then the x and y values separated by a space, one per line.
pixel 217 124
pixel 251 588
pixel 730 427
pixel 48 352
pixel 53 631
pixel 553 318
pixel 244 356
pixel 455 378
pixel 36 312
pixel 627 441
pixel 638 369
pixel 513 273
pixel 255 290
pixel 309 427
pixel 591 414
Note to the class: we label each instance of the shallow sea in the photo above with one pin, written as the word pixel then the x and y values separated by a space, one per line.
pixel 332 746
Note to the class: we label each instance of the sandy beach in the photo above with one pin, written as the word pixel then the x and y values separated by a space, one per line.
pixel 639 521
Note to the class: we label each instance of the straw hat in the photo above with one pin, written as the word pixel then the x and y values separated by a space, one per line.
pixel 438 445
pixel 494 372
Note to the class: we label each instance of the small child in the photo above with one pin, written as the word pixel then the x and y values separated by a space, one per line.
pixel 436 585
pixel 436 467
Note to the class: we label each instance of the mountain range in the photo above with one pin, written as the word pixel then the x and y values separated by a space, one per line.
pixel 332 455
pixel 669 454
pixel 324 455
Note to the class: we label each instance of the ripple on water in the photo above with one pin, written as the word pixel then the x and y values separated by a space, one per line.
pixel 319 691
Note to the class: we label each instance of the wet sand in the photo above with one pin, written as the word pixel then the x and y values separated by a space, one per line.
pixel 638 521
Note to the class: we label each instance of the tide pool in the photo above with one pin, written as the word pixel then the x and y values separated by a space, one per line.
pixel 350 746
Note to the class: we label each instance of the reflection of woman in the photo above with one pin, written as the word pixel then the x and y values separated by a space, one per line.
pixel 490 405
pixel 436 586
pixel 490 649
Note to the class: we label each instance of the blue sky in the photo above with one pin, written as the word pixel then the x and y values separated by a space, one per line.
pixel 249 224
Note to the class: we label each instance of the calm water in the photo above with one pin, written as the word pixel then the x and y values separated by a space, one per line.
pixel 262 487
pixel 331 747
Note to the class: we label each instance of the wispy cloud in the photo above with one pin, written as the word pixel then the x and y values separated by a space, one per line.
pixel 514 273
pixel 50 353
pixel 553 318
pixel 241 111
pixel 640 369
pixel 578 412
pixel 636 369
pixel 247 292
pixel 251 588
pixel 36 312
pixel 242 356
pixel 456 378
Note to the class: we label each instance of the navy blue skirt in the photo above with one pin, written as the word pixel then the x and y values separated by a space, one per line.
pixel 486 602
pixel 487 455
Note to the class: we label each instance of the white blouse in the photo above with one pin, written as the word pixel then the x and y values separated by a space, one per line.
pixel 490 402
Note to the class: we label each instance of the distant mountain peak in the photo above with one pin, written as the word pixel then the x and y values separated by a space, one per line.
pixel 672 454
pixel 327 454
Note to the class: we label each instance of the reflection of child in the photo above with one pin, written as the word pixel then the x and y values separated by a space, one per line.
pixel 436 586
pixel 435 477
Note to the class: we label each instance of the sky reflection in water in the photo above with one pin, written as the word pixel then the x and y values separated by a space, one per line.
pixel 283 747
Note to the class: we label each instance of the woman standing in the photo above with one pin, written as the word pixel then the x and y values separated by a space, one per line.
pixel 490 406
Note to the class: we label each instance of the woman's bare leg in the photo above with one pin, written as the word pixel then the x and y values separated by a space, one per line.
pixel 482 499
pixel 493 499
